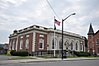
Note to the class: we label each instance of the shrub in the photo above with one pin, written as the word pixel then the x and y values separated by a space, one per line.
pixel 22 53
pixel 82 54
pixel 12 52
pixel 19 53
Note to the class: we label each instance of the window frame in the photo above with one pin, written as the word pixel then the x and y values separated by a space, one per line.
pixel 41 40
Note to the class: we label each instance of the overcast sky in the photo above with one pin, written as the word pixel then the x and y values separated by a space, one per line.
pixel 18 14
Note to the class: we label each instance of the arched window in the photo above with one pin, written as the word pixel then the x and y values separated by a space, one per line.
pixel 66 44
pixel 53 44
pixel 80 46
pixel 76 46
pixel 60 44
pixel 71 45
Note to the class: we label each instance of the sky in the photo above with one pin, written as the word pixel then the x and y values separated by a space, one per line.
pixel 19 14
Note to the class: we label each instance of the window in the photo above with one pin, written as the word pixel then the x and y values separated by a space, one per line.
pixel 66 44
pixel 27 43
pixel 41 35
pixel 53 44
pixel 80 46
pixel 41 43
pixel 98 41
pixel 21 44
pixel 13 43
pixel 60 44
pixel 21 37
pixel 27 35
pixel 76 46
pixel 71 46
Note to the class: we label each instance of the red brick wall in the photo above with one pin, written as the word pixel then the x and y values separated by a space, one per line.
pixel 15 39
pixel 11 43
pixel 24 41
pixel 23 46
pixel 18 45
pixel 37 41
pixel 90 43
pixel 95 41
pixel 30 41
pixel 45 42
pixel 92 40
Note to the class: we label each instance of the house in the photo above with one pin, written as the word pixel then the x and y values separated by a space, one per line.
pixel 93 41
pixel 3 48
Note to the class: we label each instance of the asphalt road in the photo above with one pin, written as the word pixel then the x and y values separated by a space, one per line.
pixel 58 63
pixel 2 57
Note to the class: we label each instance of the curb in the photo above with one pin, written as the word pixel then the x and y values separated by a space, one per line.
pixel 56 60
pixel 44 60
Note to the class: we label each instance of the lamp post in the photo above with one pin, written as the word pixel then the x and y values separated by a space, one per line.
pixel 62 30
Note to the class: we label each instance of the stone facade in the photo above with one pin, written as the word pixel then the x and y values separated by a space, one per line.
pixel 41 39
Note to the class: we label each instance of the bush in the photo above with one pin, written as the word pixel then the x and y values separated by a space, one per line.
pixel 22 53
pixel 19 53
pixel 82 54
pixel 12 52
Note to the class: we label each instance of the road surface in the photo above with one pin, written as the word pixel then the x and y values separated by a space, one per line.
pixel 58 63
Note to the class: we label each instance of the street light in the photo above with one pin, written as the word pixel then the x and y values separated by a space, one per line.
pixel 62 30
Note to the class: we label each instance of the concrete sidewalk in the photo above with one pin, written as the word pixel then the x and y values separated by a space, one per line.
pixel 43 60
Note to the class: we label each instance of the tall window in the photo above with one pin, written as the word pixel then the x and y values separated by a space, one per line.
pixel 27 43
pixel 41 43
pixel 66 44
pixel 98 41
pixel 76 46
pixel 71 46
pixel 80 46
pixel 13 45
pixel 53 44
pixel 21 44
pixel 60 44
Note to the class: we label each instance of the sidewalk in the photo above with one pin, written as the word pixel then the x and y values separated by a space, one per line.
pixel 43 60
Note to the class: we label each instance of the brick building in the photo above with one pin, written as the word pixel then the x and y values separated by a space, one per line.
pixel 93 41
pixel 37 39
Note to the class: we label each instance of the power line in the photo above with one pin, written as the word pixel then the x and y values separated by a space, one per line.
pixel 52 9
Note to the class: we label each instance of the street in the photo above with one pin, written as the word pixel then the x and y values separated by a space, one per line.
pixel 3 57
pixel 58 63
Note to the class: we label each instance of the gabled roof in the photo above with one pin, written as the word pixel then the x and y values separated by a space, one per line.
pixel 97 32
pixel 91 31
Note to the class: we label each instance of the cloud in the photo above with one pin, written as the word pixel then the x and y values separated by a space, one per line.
pixel 18 14
pixel 13 2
